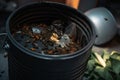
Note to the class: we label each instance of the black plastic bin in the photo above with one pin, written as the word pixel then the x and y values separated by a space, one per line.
pixel 27 65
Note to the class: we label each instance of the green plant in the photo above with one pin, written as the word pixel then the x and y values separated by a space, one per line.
pixel 103 67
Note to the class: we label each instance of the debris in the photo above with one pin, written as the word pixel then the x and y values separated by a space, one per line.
pixel 52 39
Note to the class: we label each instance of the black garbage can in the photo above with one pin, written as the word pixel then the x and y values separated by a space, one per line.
pixel 28 65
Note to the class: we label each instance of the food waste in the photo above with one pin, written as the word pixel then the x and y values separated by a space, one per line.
pixel 52 39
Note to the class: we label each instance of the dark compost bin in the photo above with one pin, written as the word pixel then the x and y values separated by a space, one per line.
pixel 26 64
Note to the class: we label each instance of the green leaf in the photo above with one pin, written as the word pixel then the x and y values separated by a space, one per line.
pixel 100 60
pixel 91 76
pixel 103 72
pixel 115 64
pixel 93 57
pixel 96 77
pixel 105 55
pixel 108 63
pixel 91 64
pixel 99 70
pixel 115 56
pixel 109 70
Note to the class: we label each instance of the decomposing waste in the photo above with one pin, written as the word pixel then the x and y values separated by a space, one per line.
pixel 52 39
